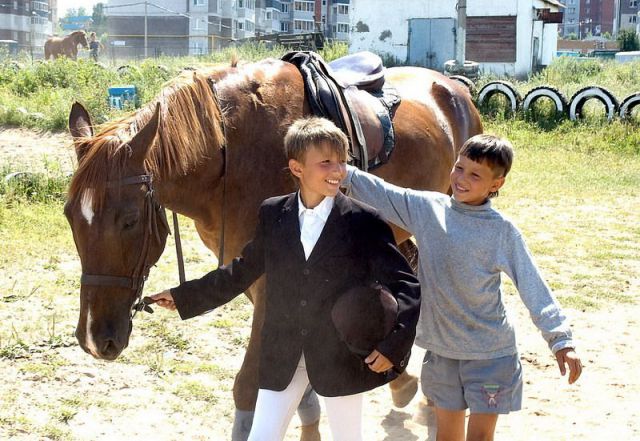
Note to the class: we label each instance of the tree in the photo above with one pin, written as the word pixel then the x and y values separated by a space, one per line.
pixel 99 19
pixel 628 40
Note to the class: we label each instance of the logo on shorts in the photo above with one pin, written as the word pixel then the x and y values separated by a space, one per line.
pixel 491 392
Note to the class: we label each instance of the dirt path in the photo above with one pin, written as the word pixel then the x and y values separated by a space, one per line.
pixel 604 405
pixel 26 150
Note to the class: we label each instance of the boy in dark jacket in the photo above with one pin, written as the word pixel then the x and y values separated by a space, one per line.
pixel 313 245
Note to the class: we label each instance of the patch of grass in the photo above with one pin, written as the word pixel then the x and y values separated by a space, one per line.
pixel 40 95
pixel 53 431
pixel 195 390
pixel 170 336
pixel 203 367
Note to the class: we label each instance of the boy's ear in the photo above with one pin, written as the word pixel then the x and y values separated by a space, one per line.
pixel 295 167
pixel 497 184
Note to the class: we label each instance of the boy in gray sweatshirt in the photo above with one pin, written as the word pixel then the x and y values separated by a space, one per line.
pixel 465 245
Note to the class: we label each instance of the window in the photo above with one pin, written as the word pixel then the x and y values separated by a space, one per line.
pixel 268 15
pixel 303 25
pixel 633 19
pixel 343 9
pixel 343 28
pixel 285 7
pixel 240 25
pixel 633 3
pixel 303 6
pixel 198 24
pixel 572 10
pixel 284 27
pixel 198 2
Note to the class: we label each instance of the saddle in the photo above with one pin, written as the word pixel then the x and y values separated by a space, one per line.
pixel 351 92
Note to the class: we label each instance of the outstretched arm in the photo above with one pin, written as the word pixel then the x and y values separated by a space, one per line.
pixel 394 203
pixel 218 287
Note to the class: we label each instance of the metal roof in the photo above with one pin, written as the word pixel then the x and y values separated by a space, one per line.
pixel 555 3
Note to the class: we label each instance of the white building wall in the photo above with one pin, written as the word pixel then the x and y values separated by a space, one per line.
pixel 367 13
pixel 368 24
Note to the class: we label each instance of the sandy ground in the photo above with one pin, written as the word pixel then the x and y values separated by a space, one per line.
pixel 604 404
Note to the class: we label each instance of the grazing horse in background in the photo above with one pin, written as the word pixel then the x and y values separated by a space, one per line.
pixel 66 46
pixel 211 148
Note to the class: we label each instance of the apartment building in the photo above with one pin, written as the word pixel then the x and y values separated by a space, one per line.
pixel 596 17
pixel 627 14
pixel 181 27
pixel 25 22
pixel 571 18
pixel 331 17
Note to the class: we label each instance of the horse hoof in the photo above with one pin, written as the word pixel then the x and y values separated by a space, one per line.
pixel 403 393
pixel 311 432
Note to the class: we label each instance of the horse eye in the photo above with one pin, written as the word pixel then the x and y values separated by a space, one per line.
pixel 130 222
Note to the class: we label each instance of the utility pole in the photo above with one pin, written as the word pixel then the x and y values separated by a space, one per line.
pixel 146 46
pixel 461 32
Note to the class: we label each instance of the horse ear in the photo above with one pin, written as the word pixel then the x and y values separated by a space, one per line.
pixel 143 140
pixel 80 127
pixel 80 122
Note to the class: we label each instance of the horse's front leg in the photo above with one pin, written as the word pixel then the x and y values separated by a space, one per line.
pixel 245 387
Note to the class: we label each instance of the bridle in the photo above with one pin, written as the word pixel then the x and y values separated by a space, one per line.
pixel 153 213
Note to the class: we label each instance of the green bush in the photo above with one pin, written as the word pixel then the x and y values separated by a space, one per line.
pixel 628 40
pixel 48 186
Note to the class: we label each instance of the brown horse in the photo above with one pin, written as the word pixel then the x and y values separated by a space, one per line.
pixel 66 46
pixel 193 139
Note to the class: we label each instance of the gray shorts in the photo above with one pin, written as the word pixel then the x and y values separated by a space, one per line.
pixel 482 386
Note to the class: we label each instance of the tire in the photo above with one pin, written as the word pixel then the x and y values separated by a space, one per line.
pixel 502 87
pixel 126 69
pixel 162 68
pixel 592 92
pixel 628 104
pixel 466 82
pixel 16 176
pixel 551 92
pixel 470 69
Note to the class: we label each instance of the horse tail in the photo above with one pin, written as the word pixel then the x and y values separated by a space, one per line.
pixel 464 119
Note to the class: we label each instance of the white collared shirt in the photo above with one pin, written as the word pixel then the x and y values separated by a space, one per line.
pixel 312 222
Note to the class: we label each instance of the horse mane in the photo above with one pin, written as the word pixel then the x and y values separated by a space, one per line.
pixel 189 130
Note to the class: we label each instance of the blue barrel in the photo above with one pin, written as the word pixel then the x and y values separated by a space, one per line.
pixel 119 96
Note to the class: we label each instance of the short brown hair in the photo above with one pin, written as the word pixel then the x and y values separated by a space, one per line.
pixel 312 132
pixel 498 152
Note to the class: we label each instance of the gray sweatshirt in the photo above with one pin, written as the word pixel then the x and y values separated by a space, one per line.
pixel 463 251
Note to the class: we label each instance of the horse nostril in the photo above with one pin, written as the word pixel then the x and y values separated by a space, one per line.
pixel 110 350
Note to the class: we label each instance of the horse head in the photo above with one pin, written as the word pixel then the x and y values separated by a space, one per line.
pixel 118 227
pixel 80 37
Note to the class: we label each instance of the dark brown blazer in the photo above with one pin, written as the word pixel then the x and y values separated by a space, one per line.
pixel 356 247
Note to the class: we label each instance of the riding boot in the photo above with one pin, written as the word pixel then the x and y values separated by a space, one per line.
pixel 309 413
pixel 242 425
